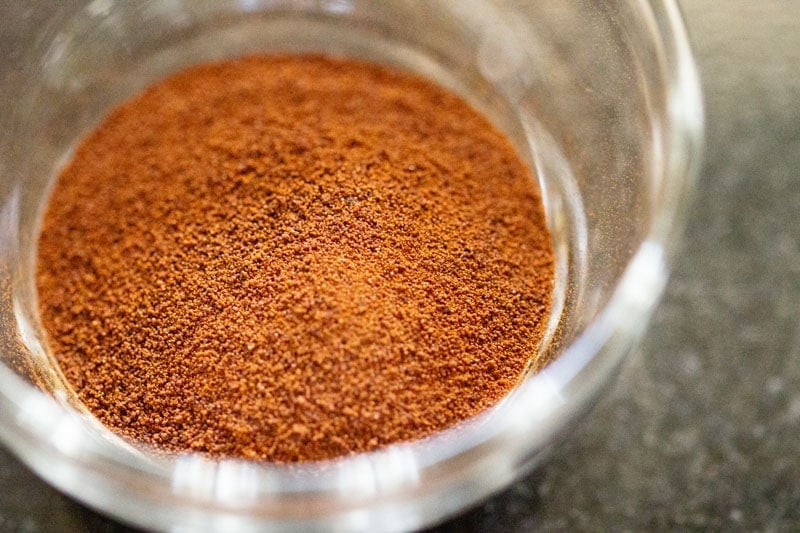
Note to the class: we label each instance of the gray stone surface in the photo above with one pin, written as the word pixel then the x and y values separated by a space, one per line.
pixel 702 430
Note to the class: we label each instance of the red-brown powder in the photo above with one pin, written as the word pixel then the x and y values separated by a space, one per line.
pixel 293 258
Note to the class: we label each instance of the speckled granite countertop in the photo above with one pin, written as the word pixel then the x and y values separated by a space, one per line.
pixel 702 429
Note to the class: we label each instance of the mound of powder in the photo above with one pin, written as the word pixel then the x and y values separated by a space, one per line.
pixel 293 258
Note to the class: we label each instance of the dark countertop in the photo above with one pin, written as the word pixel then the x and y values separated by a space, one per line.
pixel 702 428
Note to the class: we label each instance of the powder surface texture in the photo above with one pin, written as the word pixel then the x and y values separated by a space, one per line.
pixel 293 258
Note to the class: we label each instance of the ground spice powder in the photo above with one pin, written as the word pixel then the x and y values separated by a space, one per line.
pixel 293 258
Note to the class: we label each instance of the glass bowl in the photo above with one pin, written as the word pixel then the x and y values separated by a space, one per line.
pixel 601 99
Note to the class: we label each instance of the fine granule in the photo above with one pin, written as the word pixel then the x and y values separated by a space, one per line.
pixel 293 258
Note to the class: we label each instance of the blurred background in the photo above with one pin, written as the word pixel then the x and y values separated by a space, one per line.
pixel 702 428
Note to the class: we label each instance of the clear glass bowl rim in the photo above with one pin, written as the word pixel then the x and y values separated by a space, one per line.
pixel 354 490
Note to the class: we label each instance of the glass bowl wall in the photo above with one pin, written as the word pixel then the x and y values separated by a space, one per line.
pixel 601 99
